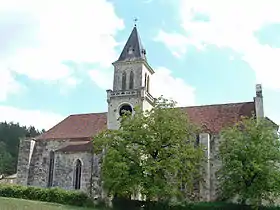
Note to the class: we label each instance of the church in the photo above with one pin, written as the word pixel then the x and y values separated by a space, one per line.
pixel 64 155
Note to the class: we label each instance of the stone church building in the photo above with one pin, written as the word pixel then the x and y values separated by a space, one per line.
pixel 64 157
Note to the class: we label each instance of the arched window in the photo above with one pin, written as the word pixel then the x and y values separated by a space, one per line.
pixel 148 84
pixel 124 81
pixel 131 80
pixel 146 81
pixel 125 108
pixel 51 168
pixel 77 175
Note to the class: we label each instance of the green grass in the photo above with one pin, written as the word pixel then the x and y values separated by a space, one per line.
pixel 19 204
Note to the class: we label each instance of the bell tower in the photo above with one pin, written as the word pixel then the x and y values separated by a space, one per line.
pixel 131 85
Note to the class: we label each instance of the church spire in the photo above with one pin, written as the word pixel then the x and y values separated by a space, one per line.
pixel 133 49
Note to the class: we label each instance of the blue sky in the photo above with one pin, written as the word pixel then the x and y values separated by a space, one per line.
pixel 57 55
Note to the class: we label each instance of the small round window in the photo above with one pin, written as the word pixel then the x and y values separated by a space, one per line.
pixel 125 108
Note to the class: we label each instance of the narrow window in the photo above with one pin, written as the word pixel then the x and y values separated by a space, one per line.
pixel 123 81
pixel 51 168
pixel 197 140
pixel 146 81
pixel 77 175
pixel 131 80
pixel 148 84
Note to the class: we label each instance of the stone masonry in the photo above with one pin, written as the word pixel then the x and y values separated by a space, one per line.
pixel 35 171
pixel 70 140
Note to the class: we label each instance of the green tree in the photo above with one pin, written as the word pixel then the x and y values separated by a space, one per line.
pixel 5 160
pixel 32 132
pixel 250 157
pixel 10 134
pixel 154 152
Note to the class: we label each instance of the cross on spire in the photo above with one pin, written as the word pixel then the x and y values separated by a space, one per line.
pixel 135 21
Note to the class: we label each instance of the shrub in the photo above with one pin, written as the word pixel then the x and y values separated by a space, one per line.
pixel 54 195
pixel 76 198
pixel 124 204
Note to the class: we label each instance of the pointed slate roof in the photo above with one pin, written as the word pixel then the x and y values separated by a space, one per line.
pixel 133 49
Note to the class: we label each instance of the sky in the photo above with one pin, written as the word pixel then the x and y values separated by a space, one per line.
pixel 56 55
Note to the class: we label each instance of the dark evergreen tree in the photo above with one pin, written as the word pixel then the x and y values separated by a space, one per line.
pixel 10 134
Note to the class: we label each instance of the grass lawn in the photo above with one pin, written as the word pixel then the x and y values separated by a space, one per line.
pixel 19 204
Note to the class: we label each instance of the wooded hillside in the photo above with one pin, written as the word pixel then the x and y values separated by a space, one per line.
pixel 10 134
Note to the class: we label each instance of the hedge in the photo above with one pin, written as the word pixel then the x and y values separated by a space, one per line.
pixel 77 198
pixel 53 195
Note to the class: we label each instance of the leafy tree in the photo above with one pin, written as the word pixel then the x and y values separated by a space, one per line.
pixel 153 153
pixel 250 157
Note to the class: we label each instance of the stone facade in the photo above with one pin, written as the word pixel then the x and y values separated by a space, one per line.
pixel 34 169
pixel 34 165
pixel 137 96
pixel 23 161
pixel 215 165
pixel 131 87
pixel 65 167
pixel 209 185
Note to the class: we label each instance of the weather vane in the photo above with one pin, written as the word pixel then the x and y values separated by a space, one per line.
pixel 135 21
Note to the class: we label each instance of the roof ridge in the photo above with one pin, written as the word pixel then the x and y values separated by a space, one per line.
pixel 87 113
pixel 222 104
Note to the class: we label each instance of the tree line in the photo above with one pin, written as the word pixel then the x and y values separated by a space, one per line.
pixel 10 134
pixel 155 154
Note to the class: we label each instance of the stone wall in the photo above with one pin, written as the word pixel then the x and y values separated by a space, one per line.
pixel 209 186
pixel 139 69
pixel 137 96
pixel 205 185
pixel 115 103
pixel 64 170
pixel 33 168
pixel 215 165
pixel 36 173
pixel 25 147
pixel 39 165
pixel 97 191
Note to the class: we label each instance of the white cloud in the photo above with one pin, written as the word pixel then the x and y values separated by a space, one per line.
pixel 8 84
pixel 39 119
pixel 68 84
pixel 230 24
pixel 162 83
pixel 40 34
pixel 72 81
pixel 103 79
pixel 176 42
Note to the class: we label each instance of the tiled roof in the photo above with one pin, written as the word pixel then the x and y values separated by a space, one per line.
pixel 215 117
pixel 211 117
pixel 77 127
